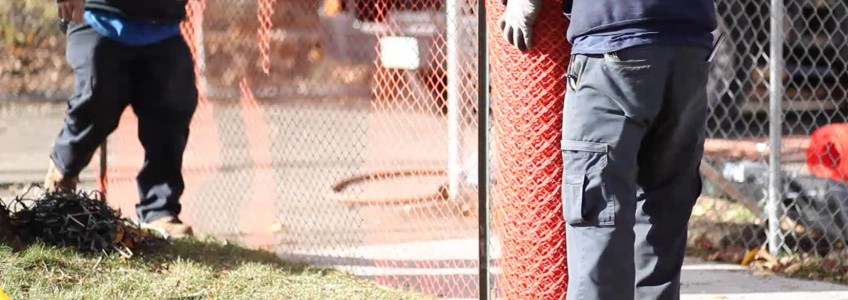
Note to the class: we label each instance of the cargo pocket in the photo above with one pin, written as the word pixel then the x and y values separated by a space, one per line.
pixel 586 201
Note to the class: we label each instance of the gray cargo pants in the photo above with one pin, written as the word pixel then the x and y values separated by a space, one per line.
pixel 633 138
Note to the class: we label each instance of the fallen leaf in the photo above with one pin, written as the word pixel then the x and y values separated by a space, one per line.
pixel 829 264
pixel 749 256
pixel 758 265
pixel 768 257
pixel 787 260
pixel 793 268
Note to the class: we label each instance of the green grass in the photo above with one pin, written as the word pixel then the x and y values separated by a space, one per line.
pixel 185 270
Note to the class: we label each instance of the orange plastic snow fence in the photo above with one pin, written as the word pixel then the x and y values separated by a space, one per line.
pixel 528 91
pixel 824 156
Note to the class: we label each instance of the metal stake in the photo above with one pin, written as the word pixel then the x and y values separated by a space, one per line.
pixel 482 148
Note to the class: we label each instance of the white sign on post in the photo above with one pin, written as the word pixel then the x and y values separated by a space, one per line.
pixel 399 52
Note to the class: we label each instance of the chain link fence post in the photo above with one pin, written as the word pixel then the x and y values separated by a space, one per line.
pixel 775 189
pixel 453 77
pixel 482 152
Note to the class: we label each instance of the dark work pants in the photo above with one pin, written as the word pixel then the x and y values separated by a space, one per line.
pixel 158 82
pixel 633 138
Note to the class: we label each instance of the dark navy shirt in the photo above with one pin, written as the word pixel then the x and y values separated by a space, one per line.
pixel 603 26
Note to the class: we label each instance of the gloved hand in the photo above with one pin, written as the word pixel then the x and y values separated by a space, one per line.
pixel 517 22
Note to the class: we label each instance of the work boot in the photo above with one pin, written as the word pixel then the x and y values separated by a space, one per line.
pixel 56 181
pixel 169 227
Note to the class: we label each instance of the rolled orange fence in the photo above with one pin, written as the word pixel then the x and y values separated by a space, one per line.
pixel 528 91
pixel 827 146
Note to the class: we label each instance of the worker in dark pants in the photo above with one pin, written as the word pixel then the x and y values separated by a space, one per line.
pixel 129 53
pixel 633 138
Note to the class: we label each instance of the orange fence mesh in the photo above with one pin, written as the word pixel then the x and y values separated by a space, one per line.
pixel 343 133
pixel 337 133
pixel 527 95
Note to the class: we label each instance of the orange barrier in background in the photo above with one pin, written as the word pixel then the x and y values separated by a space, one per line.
pixel 828 145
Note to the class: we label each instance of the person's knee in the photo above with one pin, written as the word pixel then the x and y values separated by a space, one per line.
pixel 678 191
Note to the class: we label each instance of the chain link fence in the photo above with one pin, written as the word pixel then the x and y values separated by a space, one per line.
pixel 773 170
pixel 343 133
pixel 336 133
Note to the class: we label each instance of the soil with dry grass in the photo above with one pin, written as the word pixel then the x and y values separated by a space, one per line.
pixel 186 269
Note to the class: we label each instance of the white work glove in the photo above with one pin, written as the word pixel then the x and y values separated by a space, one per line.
pixel 517 22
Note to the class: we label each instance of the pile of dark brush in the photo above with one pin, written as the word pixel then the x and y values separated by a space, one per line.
pixel 7 235
pixel 82 221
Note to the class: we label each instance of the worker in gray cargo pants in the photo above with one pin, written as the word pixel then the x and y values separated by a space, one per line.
pixel 632 143
pixel 633 138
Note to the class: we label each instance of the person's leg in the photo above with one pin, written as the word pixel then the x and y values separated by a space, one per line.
pixel 669 178
pixel 100 96
pixel 611 103
pixel 164 99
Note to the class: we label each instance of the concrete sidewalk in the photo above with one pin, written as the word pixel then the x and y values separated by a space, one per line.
pixel 422 263
pixel 702 281
pixel 26 135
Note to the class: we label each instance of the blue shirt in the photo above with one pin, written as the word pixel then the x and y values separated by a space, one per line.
pixel 127 31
